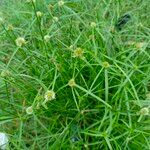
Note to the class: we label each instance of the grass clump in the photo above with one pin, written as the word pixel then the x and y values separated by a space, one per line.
pixel 70 79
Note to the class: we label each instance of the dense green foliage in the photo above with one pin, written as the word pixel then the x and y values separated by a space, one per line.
pixel 102 107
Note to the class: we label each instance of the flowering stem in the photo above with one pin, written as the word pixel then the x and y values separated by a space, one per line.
pixel 106 85
pixel 8 34
pixel 34 8
pixel 39 24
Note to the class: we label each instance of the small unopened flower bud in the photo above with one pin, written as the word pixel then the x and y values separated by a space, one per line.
pixel 71 47
pixel 39 14
pixel 55 19
pixel 93 24
pixel 46 38
pixel 85 145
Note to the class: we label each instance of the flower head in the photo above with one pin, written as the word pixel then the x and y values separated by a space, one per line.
pixel 3 141
pixel 105 64
pixel 55 19
pixel 78 52
pixel 29 110
pixel 72 83
pixel 46 38
pixel 112 29
pixel 93 24
pixel 49 95
pixel 39 14
pixel 61 3
pixel 144 111
pixel 20 41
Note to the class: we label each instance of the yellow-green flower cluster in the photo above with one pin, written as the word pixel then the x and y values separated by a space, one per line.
pixel 49 95
pixel 20 41
pixel 72 83
pixel 39 14
pixel 46 38
pixel 105 64
pixel 78 52
pixel 93 24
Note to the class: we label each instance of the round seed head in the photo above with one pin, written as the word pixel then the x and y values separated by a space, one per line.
pixel 20 41
pixel 46 38
pixel 49 95
pixel 29 110
pixel 39 14
pixel 144 111
pixel 61 3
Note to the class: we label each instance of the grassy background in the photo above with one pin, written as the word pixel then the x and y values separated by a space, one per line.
pixel 78 118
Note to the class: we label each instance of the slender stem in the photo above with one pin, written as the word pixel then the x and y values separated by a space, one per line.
pixel 106 85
